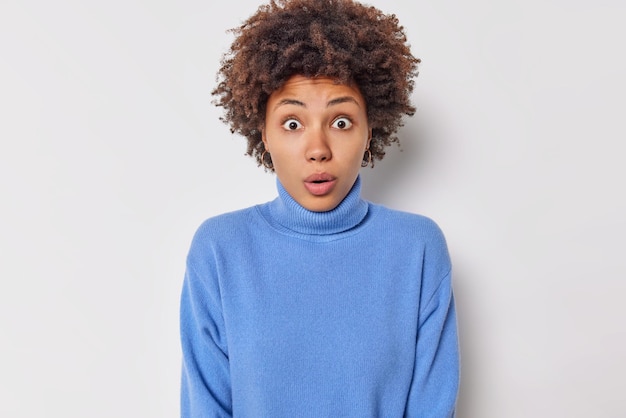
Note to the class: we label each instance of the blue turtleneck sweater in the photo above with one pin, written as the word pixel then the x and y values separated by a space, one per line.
pixel 291 313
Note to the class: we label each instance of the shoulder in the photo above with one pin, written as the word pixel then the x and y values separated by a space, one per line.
pixel 421 234
pixel 221 229
pixel 226 222
pixel 407 223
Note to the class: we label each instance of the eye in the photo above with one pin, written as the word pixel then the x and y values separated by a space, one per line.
pixel 342 123
pixel 291 124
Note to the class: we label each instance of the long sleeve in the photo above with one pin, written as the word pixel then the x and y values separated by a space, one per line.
pixel 205 386
pixel 435 382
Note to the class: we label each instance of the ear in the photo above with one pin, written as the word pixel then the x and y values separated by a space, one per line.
pixel 369 139
pixel 264 139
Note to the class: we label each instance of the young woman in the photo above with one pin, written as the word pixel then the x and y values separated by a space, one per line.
pixel 318 303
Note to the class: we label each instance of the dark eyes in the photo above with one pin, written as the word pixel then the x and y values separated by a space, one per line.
pixel 339 123
pixel 342 123
pixel 292 124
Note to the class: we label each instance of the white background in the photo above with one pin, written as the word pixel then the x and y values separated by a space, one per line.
pixel 111 154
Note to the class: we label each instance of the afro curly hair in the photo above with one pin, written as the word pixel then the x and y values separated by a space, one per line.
pixel 341 39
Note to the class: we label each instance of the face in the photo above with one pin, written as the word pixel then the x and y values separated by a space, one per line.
pixel 316 132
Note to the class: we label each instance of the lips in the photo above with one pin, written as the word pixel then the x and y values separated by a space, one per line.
pixel 320 184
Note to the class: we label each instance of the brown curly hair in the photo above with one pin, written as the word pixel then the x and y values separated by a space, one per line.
pixel 340 39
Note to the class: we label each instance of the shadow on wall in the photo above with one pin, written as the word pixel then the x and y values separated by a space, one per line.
pixel 380 184
pixel 467 318
pixel 401 174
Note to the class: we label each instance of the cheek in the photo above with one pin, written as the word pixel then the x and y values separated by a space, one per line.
pixel 281 154
pixel 283 164
pixel 358 150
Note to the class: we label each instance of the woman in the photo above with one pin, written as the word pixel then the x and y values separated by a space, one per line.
pixel 318 303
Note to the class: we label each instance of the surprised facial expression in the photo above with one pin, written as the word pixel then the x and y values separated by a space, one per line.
pixel 316 132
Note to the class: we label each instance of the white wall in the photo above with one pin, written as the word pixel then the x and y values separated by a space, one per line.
pixel 111 154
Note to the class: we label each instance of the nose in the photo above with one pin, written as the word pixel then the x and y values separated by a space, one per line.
pixel 318 148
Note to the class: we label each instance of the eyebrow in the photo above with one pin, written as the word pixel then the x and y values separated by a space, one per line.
pixel 344 99
pixel 289 102
pixel 338 100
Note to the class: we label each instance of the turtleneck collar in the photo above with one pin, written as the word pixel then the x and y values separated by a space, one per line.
pixel 287 214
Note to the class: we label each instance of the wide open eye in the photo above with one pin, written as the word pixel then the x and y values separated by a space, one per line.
pixel 292 124
pixel 342 123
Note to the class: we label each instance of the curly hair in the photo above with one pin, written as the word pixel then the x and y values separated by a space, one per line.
pixel 340 39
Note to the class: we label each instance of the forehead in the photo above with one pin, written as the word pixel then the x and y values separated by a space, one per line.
pixel 316 88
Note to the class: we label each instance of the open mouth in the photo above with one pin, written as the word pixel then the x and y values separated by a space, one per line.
pixel 319 178
pixel 320 184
